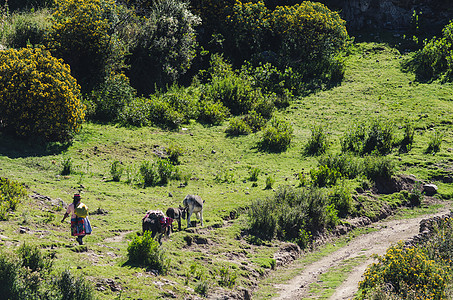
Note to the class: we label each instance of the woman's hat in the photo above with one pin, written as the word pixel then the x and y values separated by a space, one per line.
pixel 76 196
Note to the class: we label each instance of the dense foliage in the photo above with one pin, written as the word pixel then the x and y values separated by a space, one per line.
pixel 144 250
pixel 418 272
pixel 38 96
pixel 11 193
pixel 82 34
pixel 163 45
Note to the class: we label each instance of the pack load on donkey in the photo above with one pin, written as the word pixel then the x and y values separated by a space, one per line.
pixel 156 222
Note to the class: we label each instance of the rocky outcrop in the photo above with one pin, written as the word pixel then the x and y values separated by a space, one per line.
pixel 393 14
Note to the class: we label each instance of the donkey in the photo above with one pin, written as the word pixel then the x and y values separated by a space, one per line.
pixel 176 214
pixel 154 221
pixel 193 204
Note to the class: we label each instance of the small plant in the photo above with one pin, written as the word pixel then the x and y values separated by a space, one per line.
pixel 202 288
pixel 166 171
pixel 11 193
pixel 224 177
pixel 318 142
pixel 149 174
pixel 408 139
pixel 227 277
pixel 67 166
pixel 145 250
pixel 341 198
pixel 324 176
pixel 72 287
pixel 254 173
pixel 238 126
pixel 303 180
pixel 116 170
pixel 276 136
pixel 434 142
pixel 174 152
pixel 378 168
pixel 269 182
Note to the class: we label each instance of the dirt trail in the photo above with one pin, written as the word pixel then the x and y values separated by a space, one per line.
pixel 389 232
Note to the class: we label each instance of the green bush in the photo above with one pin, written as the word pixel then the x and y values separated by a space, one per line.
pixel 435 142
pixel 378 168
pixel 292 215
pixel 162 113
pixel 116 170
pixel 341 198
pixel 110 98
pixel 269 182
pixel 348 165
pixel 136 113
pixel 11 193
pixel 276 136
pixel 166 171
pixel 234 92
pixel 32 258
pixel 318 142
pixel 38 96
pixel 378 137
pixel 324 176
pixel 163 45
pixel 254 120
pixel 174 152
pixel 83 35
pixel 308 35
pixel 408 138
pixel 254 173
pixel 144 250
pixel 433 61
pixel 238 126
pixel 212 112
pixel 28 28
pixel 73 288
pixel 149 173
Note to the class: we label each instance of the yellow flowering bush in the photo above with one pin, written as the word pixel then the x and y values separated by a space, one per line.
pixel 38 96
pixel 82 34
pixel 307 31
pixel 249 26
pixel 407 271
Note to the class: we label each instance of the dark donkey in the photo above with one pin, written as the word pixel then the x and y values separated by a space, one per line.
pixel 176 214
pixel 155 221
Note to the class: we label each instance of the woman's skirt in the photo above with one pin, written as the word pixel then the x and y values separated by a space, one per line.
pixel 80 226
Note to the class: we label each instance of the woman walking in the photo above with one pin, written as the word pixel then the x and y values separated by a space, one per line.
pixel 80 225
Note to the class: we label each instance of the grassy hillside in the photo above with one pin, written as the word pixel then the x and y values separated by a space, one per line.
pixel 217 168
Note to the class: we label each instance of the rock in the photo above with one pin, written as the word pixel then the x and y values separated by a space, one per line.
pixel 430 189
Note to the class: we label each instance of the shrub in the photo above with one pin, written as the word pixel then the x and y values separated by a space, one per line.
pixel 212 112
pixel 227 277
pixel 378 168
pixel 234 92
pixel 28 29
pixel 116 170
pixel 165 42
pixel 9 269
pixel 254 173
pixel 32 258
pixel 375 138
pixel 254 120
pixel 166 171
pixel 349 166
pixel 276 136
pixel 262 218
pixel 11 193
pixel 380 138
pixel 136 113
pixel 269 182
pixel 67 166
pixel 83 35
pixel 149 174
pixel 408 139
pixel 405 270
pixel 162 113
pixel 434 142
pixel 341 198
pixel 318 142
pixel 16 5
pixel 38 96
pixel 145 250
pixel 174 151
pixel 72 287
pixel 324 176
pixel 309 34
pixel 111 96
pixel 248 27
pixel 238 126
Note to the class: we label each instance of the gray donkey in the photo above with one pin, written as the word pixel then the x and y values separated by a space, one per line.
pixel 193 204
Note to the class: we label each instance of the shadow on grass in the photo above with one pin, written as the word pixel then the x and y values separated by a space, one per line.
pixel 14 147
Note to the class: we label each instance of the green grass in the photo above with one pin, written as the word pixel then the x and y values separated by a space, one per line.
pixel 374 87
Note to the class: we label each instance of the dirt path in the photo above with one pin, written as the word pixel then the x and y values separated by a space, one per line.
pixel 389 233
